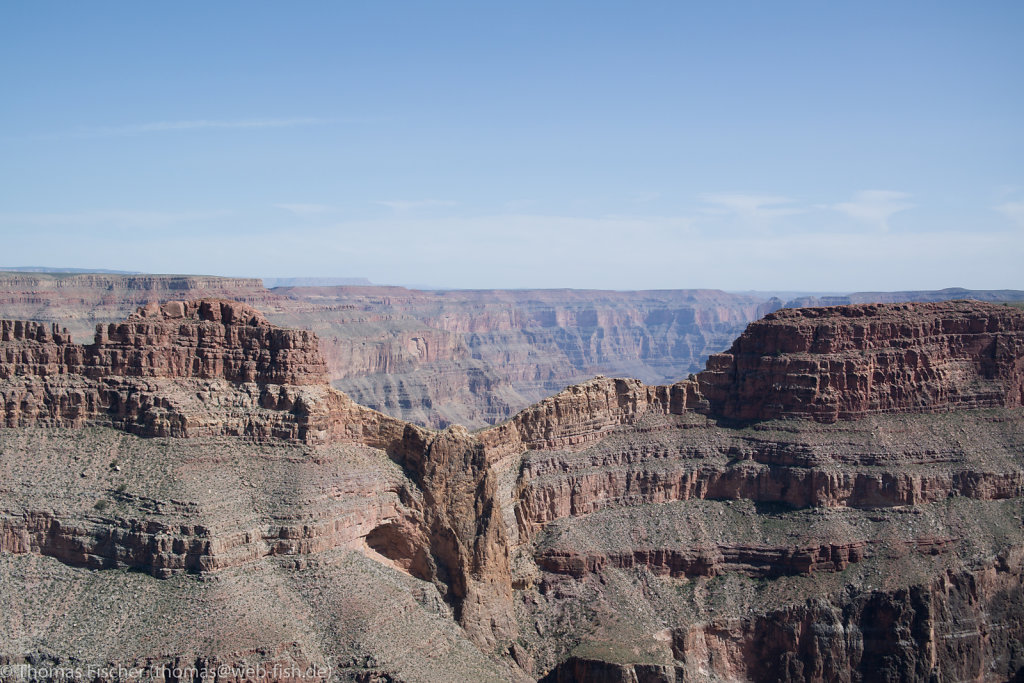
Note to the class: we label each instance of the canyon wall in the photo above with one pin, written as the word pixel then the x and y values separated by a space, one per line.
pixel 433 357
pixel 215 368
pixel 79 301
pixel 840 362
pixel 451 357
pixel 839 495
pixel 478 357
pixel 892 528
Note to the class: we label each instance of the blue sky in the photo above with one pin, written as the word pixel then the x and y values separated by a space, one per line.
pixel 738 145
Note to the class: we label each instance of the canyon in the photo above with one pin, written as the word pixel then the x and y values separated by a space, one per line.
pixel 838 496
pixel 452 357
pixel 433 357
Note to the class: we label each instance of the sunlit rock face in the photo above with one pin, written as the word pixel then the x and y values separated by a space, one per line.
pixel 433 357
pixel 848 361
pixel 837 498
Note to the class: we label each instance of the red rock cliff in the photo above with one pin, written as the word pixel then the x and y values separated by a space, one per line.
pixel 50 380
pixel 206 339
pixel 826 364
pixel 217 368
pixel 515 522
pixel 843 362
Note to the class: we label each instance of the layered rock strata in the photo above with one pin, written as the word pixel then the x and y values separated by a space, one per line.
pixel 838 496
pixel 214 368
pixel 843 362
pixel 479 357
pixel 937 629
pixel 889 521
pixel 80 301
pixel 433 357
pixel 207 367
pixel 445 357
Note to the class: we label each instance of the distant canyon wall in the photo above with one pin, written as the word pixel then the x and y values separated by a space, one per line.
pixel 80 301
pixel 471 357
pixel 434 357
pixel 478 357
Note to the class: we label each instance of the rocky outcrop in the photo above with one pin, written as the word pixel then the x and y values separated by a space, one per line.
pixel 30 348
pixel 586 412
pixel 615 531
pixel 217 368
pixel 467 534
pixel 922 632
pixel 186 368
pixel 206 339
pixel 80 301
pixel 843 362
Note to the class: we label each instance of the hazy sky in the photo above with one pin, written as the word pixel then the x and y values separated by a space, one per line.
pixel 736 145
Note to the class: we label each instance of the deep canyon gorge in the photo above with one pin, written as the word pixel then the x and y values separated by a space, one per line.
pixel 837 496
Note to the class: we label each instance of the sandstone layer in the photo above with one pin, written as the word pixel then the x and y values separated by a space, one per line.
pixel 839 497
pixel 443 357
pixel 433 357
pixel 842 362
pixel 79 301
pixel 211 369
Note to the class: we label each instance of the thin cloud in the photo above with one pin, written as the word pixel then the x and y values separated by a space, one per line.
pixel 115 218
pixel 405 205
pixel 645 197
pixel 200 124
pixel 156 127
pixel 306 210
pixel 875 206
pixel 518 205
pixel 756 209
pixel 1012 210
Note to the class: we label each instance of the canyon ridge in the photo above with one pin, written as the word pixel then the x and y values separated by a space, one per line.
pixel 837 496
pixel 470 357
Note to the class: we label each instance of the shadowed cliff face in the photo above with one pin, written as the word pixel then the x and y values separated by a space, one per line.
pixel 838 497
